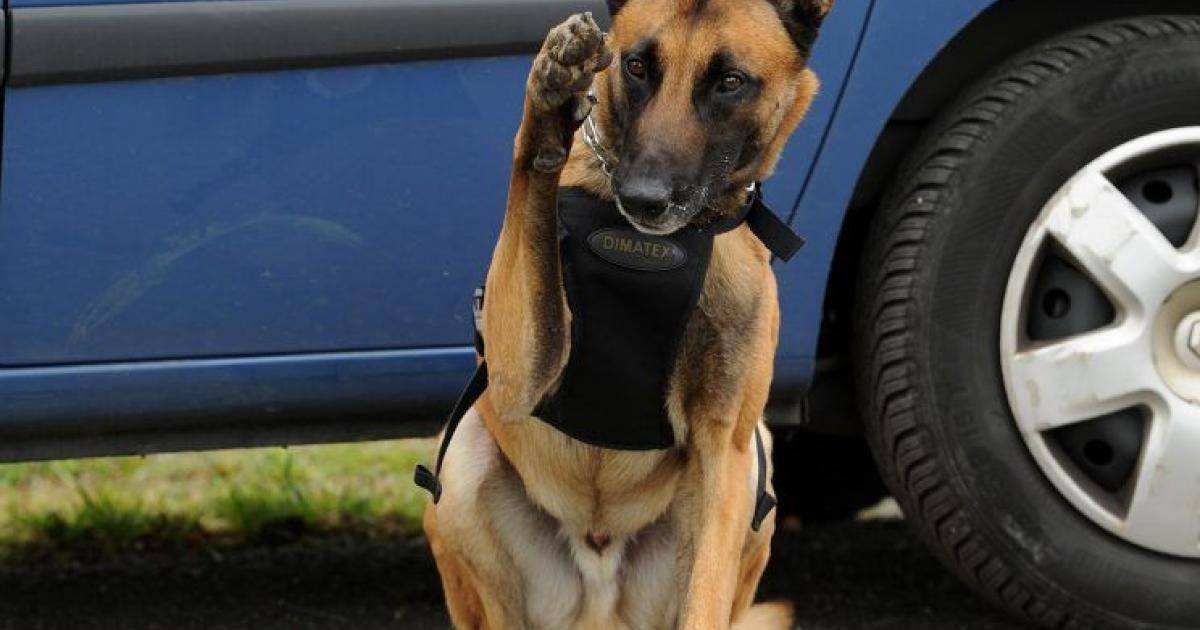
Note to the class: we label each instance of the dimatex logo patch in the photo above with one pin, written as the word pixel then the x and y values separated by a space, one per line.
pixel 633 250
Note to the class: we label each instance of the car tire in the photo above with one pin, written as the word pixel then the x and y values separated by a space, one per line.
pixel 932 288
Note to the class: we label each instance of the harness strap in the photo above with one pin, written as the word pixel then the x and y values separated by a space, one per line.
pixel 764 502
pixel 772 231
pixel 428 479
pixel 424 477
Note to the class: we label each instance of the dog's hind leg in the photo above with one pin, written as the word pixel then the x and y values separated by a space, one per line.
pixel 475 570
pixel 746 614
pixel 458 585
pixel 502 561
pixel 768 616
pixel 526 320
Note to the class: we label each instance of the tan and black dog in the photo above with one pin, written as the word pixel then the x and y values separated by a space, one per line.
pixel 694 100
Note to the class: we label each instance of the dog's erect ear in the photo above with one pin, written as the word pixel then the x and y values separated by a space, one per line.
pixel 803 20
pixel 614 6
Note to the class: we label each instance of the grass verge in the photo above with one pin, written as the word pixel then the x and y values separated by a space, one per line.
pixel 210 500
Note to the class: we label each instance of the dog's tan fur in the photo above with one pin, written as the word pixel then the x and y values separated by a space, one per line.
pixel 520 499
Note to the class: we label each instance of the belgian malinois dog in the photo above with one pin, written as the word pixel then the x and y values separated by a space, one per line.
pixel 692 101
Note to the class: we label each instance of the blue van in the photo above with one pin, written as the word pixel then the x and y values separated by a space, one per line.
pixel 252 222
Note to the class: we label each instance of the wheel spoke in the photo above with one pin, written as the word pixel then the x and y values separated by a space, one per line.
pixel 1165 508
pixel 1080 378
pixel 1115 244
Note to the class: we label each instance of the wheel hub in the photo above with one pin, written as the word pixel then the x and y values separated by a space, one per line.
pixel 1109 406
pixel 1177 342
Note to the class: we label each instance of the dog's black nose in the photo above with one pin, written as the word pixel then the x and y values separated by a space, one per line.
pixel 644 197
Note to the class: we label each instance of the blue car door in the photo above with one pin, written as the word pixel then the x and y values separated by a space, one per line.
pixel 215 204
pixel 162 202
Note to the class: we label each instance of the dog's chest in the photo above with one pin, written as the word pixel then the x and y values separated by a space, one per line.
pixel 592 489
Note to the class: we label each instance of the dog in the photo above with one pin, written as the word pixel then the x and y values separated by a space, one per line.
pixel 688 104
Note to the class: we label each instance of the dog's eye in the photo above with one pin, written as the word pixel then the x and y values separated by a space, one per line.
pixel 636 67
pixel 731 83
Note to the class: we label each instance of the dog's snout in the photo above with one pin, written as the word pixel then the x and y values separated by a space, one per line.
pixel 645 197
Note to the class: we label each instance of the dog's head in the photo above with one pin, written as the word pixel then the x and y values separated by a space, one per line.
pixel 700 100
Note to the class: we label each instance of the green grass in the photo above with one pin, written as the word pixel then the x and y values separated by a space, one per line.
pixel 202 500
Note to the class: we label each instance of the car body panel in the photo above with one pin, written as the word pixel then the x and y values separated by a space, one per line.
pixel 267 213
pixel 253 244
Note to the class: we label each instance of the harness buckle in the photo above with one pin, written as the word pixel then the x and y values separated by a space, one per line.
pixel 477 314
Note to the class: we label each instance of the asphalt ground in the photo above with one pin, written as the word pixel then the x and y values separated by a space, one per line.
pixel 852 575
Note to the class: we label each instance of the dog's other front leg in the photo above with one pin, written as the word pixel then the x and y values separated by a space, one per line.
pixel 712 522
pixel 714 514
pixel 526 321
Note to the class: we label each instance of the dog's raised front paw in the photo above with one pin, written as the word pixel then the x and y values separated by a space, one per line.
pixel 572 54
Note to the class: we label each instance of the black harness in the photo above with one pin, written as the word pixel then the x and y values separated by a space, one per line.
pixel 631 296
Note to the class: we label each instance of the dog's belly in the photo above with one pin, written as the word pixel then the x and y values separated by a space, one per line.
pixel 565 582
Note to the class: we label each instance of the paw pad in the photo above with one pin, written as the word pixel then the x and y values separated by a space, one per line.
pixel 572 54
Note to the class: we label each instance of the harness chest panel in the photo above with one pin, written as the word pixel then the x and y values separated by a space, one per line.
pixel 631 296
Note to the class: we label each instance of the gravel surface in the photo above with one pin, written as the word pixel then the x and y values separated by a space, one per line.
pixel 847 576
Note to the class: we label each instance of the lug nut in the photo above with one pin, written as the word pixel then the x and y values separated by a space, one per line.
pixel 1187 342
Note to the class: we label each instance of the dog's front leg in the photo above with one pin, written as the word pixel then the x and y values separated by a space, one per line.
pixel 713 522
pixel 526 321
